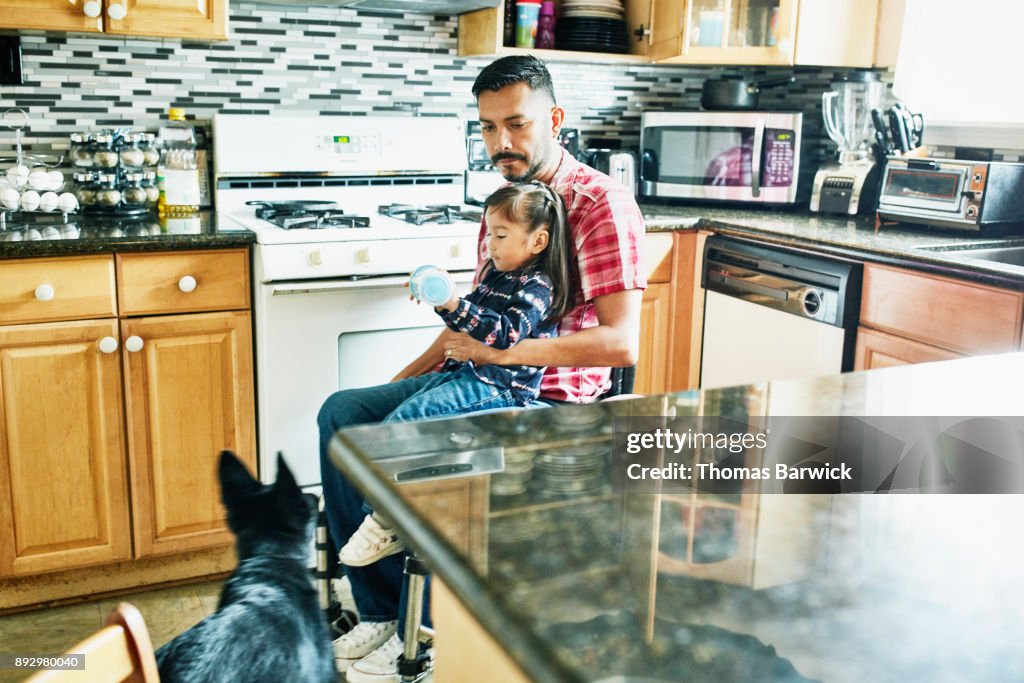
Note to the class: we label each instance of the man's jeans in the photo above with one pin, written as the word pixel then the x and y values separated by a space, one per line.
pixel 378 589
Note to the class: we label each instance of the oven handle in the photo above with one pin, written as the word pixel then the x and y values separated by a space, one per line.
pixel 383 282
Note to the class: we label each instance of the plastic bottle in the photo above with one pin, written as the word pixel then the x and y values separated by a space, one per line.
pixel 528 13
pixel 546 26
pixel 432 285
pixel 178 172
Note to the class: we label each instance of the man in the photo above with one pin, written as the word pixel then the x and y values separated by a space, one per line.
pixel 520 121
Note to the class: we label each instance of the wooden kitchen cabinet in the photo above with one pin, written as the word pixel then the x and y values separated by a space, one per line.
pixel 63 480
pixel 912 317
pixel 110 428
pixel 188 396
pixel 655 322
pixel 198 20
pixel 742 32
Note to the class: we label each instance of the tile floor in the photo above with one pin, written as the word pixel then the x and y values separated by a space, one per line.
pixel 167 611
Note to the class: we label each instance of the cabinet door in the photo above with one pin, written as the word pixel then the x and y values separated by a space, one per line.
pixel 879 350
pixel 63 484
pixel 726 32
pixel 48 15
pixel 189 395
pixel 196 19
pixel 651 375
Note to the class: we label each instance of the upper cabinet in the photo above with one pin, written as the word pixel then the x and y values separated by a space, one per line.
pixel 742 32
pixel 196 19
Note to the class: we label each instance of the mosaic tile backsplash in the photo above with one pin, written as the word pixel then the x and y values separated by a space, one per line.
pixel 339 61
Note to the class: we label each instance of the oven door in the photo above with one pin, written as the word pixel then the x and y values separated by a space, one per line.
pixel 926 185
pixel 728 156
pixel 315 338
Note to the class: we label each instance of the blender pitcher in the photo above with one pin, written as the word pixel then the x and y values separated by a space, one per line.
pixel 846 110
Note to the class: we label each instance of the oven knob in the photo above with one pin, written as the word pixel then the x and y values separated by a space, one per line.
pixel 363 255
pixel 972 211
pixel 316 258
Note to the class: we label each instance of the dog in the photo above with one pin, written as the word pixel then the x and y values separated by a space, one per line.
pixel 268 626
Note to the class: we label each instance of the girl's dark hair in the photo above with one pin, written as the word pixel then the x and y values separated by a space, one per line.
pixel 514 69
pixel 538 206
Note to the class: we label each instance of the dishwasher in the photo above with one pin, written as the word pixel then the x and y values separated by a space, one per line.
pixel 775 313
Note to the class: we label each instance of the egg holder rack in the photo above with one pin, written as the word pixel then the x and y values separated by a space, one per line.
pixel 43 178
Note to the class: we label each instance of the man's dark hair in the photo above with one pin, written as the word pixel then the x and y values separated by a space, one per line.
pixel 511 70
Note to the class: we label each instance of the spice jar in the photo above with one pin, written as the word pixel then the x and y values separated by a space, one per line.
pixel 150 150
pixel 104 155
pixel 86 188
pixel 151 187
pixel 108 195
pixel 129 153
pixel 132 192
pixel 81 150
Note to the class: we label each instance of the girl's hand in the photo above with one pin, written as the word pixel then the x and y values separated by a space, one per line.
pixel 449 305
pixel 462 347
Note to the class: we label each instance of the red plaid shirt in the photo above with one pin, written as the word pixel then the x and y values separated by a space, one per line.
pixel 607 227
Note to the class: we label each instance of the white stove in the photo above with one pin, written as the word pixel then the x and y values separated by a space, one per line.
pixel 331 310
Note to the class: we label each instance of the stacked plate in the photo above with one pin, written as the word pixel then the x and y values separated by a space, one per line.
pixel 518 470
pixel 592 26
pixel 571 470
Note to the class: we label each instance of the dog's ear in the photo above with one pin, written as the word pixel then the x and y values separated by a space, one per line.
pixel 285 479
pixel 235 481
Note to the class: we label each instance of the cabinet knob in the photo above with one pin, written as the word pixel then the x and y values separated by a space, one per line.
pixel 363 255
pixel 117 11
pixel 91 9
pixel 108 345
pixel 44 292
pixel 134 343
pixel 316 258
pixel 187 284
pixel 454 251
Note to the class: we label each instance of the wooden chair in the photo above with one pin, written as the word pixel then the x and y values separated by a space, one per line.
pixel 121 652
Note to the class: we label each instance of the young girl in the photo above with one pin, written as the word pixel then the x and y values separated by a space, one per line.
pixel 524 292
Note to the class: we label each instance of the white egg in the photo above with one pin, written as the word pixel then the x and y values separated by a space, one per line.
pixel 67 202
pixel 10 198
pixel 17 176
pixel 50 233
pixel 30 200
pixel 70 232
pixel 32 235
pixel 56 180
pixel 48 202
pixel 39 179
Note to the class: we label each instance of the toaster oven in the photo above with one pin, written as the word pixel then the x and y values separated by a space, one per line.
pixel 984 197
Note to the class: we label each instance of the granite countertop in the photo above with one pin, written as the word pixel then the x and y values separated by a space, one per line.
pixel 49 235
pixel 582 578
pixel 853 237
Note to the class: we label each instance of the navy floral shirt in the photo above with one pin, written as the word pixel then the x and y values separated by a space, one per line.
pixel 505 308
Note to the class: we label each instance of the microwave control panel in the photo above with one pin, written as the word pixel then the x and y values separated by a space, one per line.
pixel 779 157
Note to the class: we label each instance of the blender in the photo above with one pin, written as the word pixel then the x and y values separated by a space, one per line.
pixel 849 185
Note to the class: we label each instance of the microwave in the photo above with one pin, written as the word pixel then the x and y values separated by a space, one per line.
pixel 729 156
pixel 979 196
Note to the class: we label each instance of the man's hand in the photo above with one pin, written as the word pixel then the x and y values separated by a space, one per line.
pixel 461 347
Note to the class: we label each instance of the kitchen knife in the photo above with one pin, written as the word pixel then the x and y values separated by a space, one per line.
pixel 917 129
pixel 880 135
pixel 898 129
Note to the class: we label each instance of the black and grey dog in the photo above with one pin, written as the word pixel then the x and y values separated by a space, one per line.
pixel 268 626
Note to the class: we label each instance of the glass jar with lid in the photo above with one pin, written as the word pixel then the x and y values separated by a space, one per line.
pixel 152 189
pixel 85 189
pixel 150 150
pixel 108 194
pixel 81 150
pixel 129 153
pixel 133 194
pixel 104 155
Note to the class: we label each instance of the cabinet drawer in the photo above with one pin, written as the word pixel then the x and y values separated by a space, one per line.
pixel 954 314
pixel 67 288
pixel 178 282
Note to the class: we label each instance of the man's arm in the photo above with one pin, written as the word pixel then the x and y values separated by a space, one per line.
pixel 428 360
pixel 614 342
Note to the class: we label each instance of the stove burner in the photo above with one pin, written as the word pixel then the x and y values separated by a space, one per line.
pixel 436 213
pixel 310 215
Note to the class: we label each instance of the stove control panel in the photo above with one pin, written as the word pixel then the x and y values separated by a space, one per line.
pixel 349 144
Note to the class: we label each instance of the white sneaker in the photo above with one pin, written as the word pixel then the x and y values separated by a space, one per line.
pixel 364 638
pixel 381 665
pixel 370 543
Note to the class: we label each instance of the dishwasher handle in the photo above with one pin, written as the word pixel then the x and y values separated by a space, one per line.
pixel 730 284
